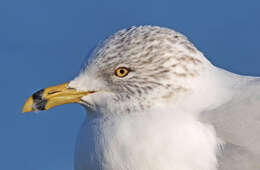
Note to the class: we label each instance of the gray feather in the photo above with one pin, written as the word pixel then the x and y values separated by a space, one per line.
pixel 237 123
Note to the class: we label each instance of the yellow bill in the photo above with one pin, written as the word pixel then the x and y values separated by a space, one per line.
pixel 53 96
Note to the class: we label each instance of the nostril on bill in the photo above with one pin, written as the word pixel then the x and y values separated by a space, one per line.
pixel 52 92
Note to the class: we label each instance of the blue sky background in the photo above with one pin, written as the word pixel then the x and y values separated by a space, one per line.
pixel 44 42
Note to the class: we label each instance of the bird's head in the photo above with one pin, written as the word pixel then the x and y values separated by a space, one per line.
pixel 132 70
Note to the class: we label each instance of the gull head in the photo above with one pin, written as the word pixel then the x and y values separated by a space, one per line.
pixel 132 70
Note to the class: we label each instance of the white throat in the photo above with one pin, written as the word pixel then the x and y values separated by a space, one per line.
pixel 148 141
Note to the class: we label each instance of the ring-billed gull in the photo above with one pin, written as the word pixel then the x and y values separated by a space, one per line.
pixel 154 102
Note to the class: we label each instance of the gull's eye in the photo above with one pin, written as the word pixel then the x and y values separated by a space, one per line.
pixel 121 72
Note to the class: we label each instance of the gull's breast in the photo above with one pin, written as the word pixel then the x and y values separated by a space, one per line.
pixel 134 142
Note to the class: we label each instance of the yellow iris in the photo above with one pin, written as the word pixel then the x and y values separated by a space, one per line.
pixel 121 72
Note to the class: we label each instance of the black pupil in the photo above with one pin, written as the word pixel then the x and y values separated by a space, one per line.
pixel 122 71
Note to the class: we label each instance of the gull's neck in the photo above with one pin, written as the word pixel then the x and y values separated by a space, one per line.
pixel 213 87
pixel 156 139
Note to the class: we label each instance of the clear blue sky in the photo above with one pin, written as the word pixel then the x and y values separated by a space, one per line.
pixel 44 42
